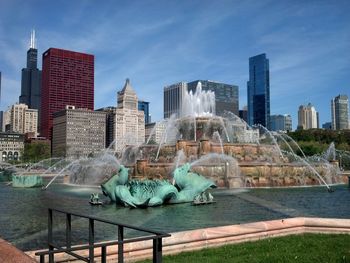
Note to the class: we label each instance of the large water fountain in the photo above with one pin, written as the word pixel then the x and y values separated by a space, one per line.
pixel 226 150
pixel 223 149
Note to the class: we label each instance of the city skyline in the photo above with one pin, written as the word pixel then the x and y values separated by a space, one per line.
pixel 157 44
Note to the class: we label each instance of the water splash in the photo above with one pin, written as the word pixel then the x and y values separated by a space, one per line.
pixel 198 104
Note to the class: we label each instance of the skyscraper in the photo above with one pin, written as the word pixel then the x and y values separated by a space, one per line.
pixel 129 120
pixel 78 132
pixel 23 120
pixel 340 112
pixel 258 88
pixel 110 124
pixel 307 117
pixel 0 87
pixel 243 113
pixel 173 95
pixel 144 106
pixel 226 95
pixel 280 122
pixel 31 78
pixel 68 79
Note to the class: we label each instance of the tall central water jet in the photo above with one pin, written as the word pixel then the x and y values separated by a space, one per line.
pixel 198 104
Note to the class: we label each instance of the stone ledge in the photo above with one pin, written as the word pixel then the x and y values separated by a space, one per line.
pixel 11 254
pixel 217 236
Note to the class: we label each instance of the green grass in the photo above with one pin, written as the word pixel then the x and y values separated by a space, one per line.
pixel 313 248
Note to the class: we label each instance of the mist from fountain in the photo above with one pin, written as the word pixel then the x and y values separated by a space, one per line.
pixel 330 153
pixel 42 164
pixel 180 159
pixel 239 130
pixel 93 171
pixel 169 133
pixel 230 165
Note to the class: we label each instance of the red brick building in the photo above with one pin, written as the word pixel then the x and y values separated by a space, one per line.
pixel 67 79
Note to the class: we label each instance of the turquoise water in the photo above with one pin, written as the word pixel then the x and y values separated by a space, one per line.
pixel 23 212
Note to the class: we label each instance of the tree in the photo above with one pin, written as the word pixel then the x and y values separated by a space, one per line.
pixel 34 152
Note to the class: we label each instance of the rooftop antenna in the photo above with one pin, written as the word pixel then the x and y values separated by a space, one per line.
pixel 32 39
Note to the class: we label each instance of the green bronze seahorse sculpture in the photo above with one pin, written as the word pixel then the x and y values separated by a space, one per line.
pixel 143 193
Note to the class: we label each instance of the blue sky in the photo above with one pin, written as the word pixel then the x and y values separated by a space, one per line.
pixel 157 43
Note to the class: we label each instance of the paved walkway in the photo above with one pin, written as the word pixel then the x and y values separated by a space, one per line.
pixel 11 254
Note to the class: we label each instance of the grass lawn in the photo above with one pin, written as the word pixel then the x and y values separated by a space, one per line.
pixel 313 248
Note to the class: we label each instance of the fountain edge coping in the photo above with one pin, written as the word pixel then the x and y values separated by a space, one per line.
pixel 197 239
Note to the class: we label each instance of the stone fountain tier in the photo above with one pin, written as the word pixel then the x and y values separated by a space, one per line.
pixel 193 150
pixel 255 165
pixel 251 174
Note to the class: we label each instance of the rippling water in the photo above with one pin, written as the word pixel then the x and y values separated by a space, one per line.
pixel 23 212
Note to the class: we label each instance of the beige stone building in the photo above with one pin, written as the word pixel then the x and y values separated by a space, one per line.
pixel 129 121
pixel 307 117
pixel 11 146
pixel 78 132
pixel 21 119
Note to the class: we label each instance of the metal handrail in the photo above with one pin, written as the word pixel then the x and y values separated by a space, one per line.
pixel 54 249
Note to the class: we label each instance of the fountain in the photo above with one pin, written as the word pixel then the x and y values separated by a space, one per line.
pixel 224 149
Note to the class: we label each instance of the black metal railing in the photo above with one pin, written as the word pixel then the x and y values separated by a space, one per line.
pixel 68 249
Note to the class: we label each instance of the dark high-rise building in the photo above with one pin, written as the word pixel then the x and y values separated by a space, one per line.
pixel 327 126
pixel 226 95
pixel 0 87
pixel 173 95
pixel 243 113
pixel 144 106
pixel 31 79
pixel 258 88
pixel 110 124
pixel 67 79
pixel 340 112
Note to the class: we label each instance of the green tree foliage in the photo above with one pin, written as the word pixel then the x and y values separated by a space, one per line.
pixel 312 147
pixel 34 152
pixel 315 141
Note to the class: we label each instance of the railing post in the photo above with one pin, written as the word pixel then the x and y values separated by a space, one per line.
pixel 157 250
pixel 103 254
pixel 68 230
pixel 91 240
pixel 120 244
pixel 49 236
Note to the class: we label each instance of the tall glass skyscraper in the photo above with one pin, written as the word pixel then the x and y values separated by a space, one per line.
pixel 173 95
pixel 258 88
pixel 340 112
pixel 31 78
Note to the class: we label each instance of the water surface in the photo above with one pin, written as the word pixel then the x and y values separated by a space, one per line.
pixel 23 212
